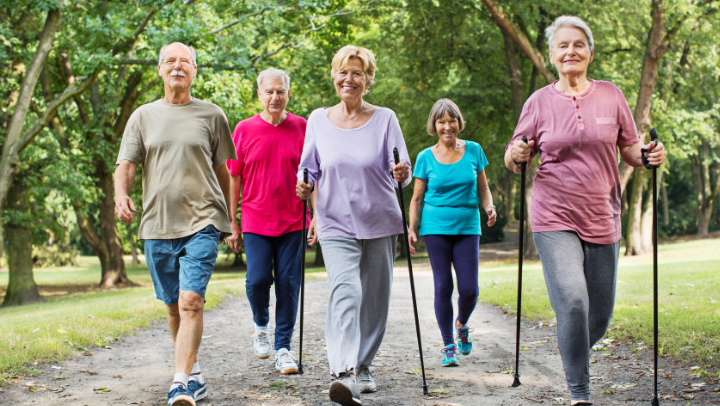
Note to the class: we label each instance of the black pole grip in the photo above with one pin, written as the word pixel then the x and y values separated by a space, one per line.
pixel 645 151
pixel 305 175
pixel 523 165
pixel 396 155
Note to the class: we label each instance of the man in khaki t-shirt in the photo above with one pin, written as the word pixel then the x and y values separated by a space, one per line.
pixel 183 144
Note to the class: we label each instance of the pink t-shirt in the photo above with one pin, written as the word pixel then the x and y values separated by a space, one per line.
pixel 268 159
pixel 577 186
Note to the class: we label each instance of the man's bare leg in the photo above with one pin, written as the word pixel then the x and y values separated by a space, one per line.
pixel 174 321
pixel 189 330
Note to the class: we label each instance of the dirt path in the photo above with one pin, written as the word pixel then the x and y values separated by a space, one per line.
pixel 139 368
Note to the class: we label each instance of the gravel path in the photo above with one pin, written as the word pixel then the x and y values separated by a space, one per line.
pixel 139 368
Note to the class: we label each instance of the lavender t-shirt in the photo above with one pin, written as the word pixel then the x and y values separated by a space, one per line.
pixel 577 185
pixel 351 170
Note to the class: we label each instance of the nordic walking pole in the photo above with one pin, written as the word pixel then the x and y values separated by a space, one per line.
pixel 412 280
pixel 521 232
pixel 654 137
pixel 302 272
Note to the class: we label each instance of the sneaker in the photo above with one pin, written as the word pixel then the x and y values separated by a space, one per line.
pixel 365 381
pixel 464 340
pixel 344 391
pixel 284 362
pixel 180 396
pixel 261 342
pixel 197 389
pixel 450 358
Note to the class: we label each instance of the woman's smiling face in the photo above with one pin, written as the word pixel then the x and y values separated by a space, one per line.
pixel 571 52
pixel 350 80
pixel 447 127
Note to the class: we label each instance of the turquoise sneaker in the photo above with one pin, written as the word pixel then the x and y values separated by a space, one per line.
pixel 450 358
pixel 464 340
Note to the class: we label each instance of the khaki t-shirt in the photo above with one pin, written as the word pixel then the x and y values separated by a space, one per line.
pixel 178 145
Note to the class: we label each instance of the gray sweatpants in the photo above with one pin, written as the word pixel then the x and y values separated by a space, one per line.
pixel 580 279
pixel 360 278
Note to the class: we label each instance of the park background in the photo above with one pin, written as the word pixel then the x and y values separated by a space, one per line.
pixel 73 71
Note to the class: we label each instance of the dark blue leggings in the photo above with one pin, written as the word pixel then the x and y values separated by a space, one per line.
pixel 462 251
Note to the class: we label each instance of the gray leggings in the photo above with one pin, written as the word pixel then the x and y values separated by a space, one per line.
pixel 580 278
pixel 360 278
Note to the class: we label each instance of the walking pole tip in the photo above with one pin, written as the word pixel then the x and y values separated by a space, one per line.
pixel 516 382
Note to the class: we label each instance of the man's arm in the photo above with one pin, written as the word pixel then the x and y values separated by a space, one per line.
pixel 234 241
pixel 124 179
pixel 223 176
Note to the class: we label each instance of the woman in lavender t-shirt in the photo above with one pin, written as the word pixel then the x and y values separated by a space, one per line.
pixel 577 125
pixel 348 152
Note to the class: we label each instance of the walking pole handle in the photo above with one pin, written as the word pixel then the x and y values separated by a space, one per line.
pixel 396 155
pixel 523 165
pixel 645 151
pixel 305 176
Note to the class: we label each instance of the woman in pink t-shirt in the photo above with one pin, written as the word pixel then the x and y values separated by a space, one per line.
pixel 577 125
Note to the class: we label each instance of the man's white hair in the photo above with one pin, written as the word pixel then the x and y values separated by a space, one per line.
pixel 191 49
pixel 274 73
pixel 568 21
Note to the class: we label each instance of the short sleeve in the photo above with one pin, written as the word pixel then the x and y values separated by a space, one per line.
pixel 223 147
pixel 527 124
pixel 482 161
pixel 628 134
pixel 421 167
pixel 236 166
pixel 132 147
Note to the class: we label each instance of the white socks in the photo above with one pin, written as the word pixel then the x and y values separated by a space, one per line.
pixel 183 379
pixel 196 375
pixel 180 379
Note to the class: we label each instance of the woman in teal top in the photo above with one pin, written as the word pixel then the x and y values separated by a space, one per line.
pixel 450 182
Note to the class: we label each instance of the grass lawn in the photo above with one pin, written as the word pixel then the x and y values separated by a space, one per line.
pixel 689 299
pixel 77 315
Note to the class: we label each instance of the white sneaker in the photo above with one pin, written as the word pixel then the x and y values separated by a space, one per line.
pixel 261 342
pixel 284 362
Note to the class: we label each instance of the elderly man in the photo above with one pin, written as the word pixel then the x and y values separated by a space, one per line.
pixel 183 144
pixel 268 147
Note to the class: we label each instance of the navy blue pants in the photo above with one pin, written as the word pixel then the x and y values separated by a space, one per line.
pixel 283 254
pixel 462 252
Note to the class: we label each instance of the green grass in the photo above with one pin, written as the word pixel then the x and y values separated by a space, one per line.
pixel 689 299
pixel 87 316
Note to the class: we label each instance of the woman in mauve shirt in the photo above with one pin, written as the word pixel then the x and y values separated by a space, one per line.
pixel 577 125
pixel 348 153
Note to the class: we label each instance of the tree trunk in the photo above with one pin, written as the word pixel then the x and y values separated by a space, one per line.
pixel 518 95
pixel 2 246
pixel 22 288
pixel 319 260
pixel 113 271
pixel 665 204
pixel 11 149
pixel 133 249
pixel 706 187
pixel 633 242
pixel 647 216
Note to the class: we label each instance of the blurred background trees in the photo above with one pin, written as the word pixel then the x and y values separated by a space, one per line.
pixel 73 72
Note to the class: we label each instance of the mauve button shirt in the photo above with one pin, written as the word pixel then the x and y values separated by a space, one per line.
pixel 351 170
pixel 577 186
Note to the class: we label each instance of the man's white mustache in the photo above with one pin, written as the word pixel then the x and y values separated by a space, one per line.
pixel 177 73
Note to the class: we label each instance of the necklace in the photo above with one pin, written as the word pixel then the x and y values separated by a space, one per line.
pixel 355 115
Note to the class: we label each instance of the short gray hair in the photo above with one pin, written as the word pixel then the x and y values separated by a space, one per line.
pixel 274 73
pixel 568 21
pixel 438 111
pixel 191 49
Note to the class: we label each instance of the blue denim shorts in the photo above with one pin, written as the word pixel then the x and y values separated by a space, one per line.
pixel 182 263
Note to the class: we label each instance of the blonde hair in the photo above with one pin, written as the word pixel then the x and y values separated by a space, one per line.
pixel 348 52
pixel 438 111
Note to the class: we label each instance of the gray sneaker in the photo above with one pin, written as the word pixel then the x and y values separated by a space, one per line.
pixel 344 391
pixel 365 381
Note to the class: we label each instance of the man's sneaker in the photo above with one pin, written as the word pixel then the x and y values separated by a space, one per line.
pixel 364 380
pixel 464 340
pixel 261 342
pixel 450 358
pixel 197 389
pixel 284 362
pixel 180 396
pixel 344 391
